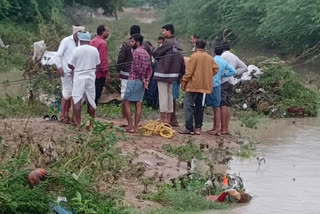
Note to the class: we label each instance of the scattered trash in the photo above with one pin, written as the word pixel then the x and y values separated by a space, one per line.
pixel 61 210
pixel 39 49
pixel 296 111
pixel 36 176
pixel 61 199
pixel 245 106
pixel 52 118
pixel 2 45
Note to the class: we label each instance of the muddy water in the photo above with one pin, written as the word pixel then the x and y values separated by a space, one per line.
pixel 289 181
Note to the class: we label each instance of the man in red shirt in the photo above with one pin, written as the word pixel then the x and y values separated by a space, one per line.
pixel 102 72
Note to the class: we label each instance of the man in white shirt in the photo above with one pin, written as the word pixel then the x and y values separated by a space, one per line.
pixel 84 62
pixel 227 85
pixel 64 53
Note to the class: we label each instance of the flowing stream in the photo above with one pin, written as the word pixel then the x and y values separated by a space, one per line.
pixel 289 181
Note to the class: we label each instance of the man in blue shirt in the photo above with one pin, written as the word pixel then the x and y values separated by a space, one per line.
pixel 213 100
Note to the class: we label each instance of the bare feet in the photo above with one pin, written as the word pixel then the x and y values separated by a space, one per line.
pixel 197 131
pixel 130 130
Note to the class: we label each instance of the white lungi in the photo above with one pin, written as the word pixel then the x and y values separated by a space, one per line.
pixel 84 89
pixel 66 82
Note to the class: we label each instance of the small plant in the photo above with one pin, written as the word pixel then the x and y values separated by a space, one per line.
pixel 185 152
pixel 184 196
pixel 247 150
pixel 83 206
pixel 250 119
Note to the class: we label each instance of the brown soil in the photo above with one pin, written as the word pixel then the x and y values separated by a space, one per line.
pixel 146 152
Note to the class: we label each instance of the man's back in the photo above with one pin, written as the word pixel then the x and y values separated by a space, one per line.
pixel 85 59
pixel 199 73
pixel 223 67
pixel 236 63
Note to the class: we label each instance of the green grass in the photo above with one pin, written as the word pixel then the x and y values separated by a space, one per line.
pixel 186 152
pixel 288 91
pixel 183 199
pixel 74 173
pixel 15 107
pixel 114 111
pixel 250 119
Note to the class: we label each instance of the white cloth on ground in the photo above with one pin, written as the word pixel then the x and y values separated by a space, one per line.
pixel 236 63
pixel 63 55
pixel 84 59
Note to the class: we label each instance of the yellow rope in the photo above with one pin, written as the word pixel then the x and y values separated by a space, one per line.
pixel 157 128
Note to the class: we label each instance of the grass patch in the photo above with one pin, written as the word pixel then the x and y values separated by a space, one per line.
pixel 81 167
pixel 16 107
pixel 185 197
pixel 277 93
pixel 284 83
pixel 114 111
pixel 250 119
pixel 185 152
pixel 247 150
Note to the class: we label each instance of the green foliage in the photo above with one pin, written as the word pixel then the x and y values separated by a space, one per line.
pixel 155 3
pixel 253 21
pixel 288 91
pixel 67 177
pixel 250 119
pixel 247 150
pixel 15 107
pixel 185 152
pixel 28 10
pixel 185 197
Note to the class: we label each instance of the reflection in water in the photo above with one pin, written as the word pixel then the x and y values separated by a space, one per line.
pixel 289 182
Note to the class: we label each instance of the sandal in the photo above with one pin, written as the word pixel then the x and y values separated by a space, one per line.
pixel 129 131
pixel 187 132
pixel 214 133
pixel 174 124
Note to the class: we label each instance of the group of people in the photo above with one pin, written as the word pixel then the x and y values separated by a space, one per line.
pixel 160 72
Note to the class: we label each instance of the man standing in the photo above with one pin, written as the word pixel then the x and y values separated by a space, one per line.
pixel 227 86
pixel 170 66
pixel 84 62
pixel 197 81
pixel 138 81
pixel 64 53
pixel 160 41
pixel 102 73
pixel 124 64
pixel 214 100
pixel 193 40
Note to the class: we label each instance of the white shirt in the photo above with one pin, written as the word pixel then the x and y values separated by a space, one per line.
pixel 236 63
pixel 64 53
pixel 85 59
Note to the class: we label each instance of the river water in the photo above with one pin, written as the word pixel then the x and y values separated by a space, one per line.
pixel 289 181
